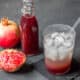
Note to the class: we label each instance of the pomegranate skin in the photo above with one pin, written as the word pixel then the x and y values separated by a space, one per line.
pixel 9 35
pixel 9 40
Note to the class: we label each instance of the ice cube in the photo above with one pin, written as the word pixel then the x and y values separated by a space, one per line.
pixel 48 42
pixel 53 35
pixel 68 41
pixel 68 44
pixel 69 36
pixel 62 52
pixel 51 53
pixel 62 34
pixel 59 40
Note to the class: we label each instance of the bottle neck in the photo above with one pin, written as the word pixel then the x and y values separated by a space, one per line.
pixel 27 8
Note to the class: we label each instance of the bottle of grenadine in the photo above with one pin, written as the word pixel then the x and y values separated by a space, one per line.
pixel 29 29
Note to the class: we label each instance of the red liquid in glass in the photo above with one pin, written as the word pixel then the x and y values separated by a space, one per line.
pixel 29 34
pixel 58 67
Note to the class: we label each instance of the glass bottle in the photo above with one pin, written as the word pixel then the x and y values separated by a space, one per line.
pixel 29 29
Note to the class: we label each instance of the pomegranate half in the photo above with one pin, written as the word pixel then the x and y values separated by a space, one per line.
pixel 11 60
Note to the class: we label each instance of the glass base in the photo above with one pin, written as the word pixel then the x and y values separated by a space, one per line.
pixel 33 53
pixel 60 73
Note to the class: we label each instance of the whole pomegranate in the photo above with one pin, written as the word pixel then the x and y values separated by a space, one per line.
pixel 9 33
pixel 11 60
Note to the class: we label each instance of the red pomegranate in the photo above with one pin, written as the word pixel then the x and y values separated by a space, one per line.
pixel 9 33
pixel 11 60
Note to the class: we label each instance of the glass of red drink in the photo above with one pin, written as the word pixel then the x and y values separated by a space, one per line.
pixel 59 42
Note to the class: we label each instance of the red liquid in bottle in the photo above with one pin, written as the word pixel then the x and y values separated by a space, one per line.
pixel 29 34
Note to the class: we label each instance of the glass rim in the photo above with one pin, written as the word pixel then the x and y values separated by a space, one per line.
pixel 59 25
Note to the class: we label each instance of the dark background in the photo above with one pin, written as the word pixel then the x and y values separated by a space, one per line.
pixel 48 12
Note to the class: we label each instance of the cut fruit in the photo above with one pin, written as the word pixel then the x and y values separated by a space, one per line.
pixel 11 60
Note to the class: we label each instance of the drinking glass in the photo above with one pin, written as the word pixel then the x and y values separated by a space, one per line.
pixel 59 40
